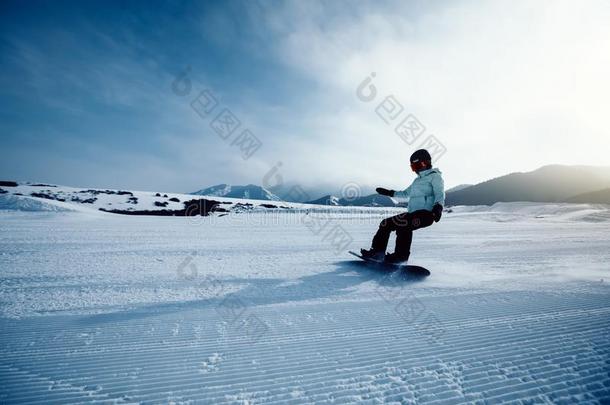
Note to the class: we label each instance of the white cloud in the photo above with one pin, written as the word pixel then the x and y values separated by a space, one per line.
pixel 506 86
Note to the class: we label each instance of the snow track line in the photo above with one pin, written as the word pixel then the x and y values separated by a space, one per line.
pixel 98 364
pixel 257 387
pixel 390 315
pixel 324 377
pixel 335 334
pixel 310 370
pixel 337 393
pixel 173 348
pixel 580 312
pixel 61 384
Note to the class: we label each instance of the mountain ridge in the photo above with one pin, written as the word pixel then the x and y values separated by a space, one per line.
pixel 551 183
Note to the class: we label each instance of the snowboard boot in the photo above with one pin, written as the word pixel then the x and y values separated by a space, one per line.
pixel 396 258
pixel 372 254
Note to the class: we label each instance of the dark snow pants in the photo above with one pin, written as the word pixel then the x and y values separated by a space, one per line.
pixel 404 224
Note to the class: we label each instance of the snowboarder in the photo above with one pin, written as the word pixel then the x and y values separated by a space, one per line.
pixel 426 199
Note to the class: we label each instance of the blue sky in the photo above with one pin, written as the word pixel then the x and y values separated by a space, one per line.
pixel 86 89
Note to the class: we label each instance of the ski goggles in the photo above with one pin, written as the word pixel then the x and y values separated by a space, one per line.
pixel 419 165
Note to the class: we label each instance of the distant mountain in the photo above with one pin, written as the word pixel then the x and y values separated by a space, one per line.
pixel 458 188
pixel 594 197
pixel 301 193
pixel 373 200
pixel 553 183
pixel 326 200
pixel 250 192
pixel 219 190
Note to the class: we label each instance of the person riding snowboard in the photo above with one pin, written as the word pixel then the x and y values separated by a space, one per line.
pixel 426 199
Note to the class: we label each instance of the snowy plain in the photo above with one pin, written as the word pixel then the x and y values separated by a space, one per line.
pixel 268 307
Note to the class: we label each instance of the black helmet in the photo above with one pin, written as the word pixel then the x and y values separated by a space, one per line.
pixel 421 160
pixel 420 155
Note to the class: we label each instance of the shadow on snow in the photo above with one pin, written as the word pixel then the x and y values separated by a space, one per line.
pixel 265 291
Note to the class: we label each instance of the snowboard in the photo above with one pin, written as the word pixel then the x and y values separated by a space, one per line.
pixel 395 266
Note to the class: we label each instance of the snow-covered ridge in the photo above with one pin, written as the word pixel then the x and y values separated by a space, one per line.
pixel 20 203
pixel 50 197
pixel 46 197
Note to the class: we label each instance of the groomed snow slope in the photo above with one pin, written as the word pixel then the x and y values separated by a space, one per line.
pixel 266 308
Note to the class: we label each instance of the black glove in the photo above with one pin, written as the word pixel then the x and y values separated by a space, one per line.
pixel 437 212
pixel 385 191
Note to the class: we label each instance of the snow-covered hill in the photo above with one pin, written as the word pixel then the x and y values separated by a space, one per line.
pixel 46 196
